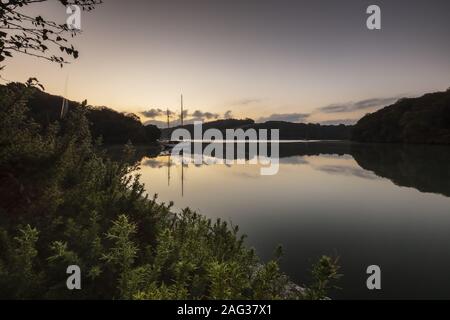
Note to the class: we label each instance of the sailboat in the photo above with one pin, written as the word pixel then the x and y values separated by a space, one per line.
pixel 167 144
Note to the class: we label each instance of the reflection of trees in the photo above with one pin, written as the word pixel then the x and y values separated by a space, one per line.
pixel 347 171
pixel 287 149
pixel 425 168
pixel 117 153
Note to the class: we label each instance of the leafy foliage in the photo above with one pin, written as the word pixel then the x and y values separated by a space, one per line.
pixel 325 273
pixel 35 35
pixel 68 204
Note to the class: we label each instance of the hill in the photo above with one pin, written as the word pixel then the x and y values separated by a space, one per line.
pixel 114 127
pixel 307 131
pixel 414 120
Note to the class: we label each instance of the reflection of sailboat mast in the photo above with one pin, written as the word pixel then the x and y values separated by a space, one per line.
pixel 182 111
pixel 168 169
pixel 182 153
pixel 182 177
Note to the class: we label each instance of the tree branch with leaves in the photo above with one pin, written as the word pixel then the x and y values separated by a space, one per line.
pixel 35 35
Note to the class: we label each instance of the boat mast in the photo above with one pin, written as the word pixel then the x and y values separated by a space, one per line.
pixel 181 109
pixel 168 119
pixel 182 157
pixel 182 177
pixel 64 108
pixel 65 103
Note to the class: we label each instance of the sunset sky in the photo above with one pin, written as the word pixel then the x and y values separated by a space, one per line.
pixel 301 61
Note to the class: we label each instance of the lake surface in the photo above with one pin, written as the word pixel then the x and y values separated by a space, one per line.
pixel 387 205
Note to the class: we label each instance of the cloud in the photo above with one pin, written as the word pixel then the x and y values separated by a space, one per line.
pixel 228 114
pixel 288 117
pixel 188 118
pixel 204 115
pixel 245 102
pixel 294 160
pixel 155 163
pixel 370 103
pixel 359 105
pixel 197 115
pixel 155 113
pixel 334 108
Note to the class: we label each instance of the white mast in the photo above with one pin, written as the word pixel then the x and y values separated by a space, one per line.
pixel 64 107
pixel 65 103
pixel 181 109
pixel 168 118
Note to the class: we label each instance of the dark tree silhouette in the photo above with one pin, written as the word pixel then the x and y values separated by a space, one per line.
pixel 424 120
pixel 114 127
pixel 35 35
pixel 288 130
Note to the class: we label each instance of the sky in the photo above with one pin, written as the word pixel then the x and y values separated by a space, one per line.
pixel 289 60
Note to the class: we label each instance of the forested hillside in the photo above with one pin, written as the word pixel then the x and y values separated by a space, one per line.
pixel 112 126
pixel 414 120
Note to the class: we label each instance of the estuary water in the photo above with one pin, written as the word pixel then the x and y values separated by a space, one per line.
pixel 369 204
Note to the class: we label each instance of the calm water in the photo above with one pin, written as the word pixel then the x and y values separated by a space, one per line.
pixel 370 204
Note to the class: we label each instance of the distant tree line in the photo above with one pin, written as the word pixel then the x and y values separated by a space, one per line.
pixel 287 130
pixel 307 131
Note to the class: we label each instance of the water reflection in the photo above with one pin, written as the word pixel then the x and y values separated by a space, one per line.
pixel 347 171
pixel 425 168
